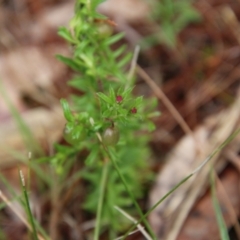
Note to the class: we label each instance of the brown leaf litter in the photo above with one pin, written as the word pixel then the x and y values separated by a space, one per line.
pixel 168 218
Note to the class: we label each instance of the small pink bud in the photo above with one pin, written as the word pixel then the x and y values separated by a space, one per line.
pixel 134 110
pixel 119 98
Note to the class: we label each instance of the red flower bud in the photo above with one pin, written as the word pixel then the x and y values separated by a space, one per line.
pixel 119 99
pixel 134 110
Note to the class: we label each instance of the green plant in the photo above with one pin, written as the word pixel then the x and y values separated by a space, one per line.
pixel 106 121
pixel 217 208
pixel 172 16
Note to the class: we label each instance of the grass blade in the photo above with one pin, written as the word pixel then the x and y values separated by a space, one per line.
pixel 28 208
pixel 219 148
pixel 143 217
pixel 220 221
pixel 100 201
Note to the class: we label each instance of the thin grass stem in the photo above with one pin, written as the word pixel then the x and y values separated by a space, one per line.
pixel 139 226
pixel 131 195
pixel 100 200
pixel 29 212
pixel 222 145
pixel 156 204
pixel 220 221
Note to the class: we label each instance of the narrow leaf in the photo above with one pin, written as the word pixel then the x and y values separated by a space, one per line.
pixel 66 110
pixel 69 62
pixel 64 33
pixel 112 94
pixel 119 51
pixel 124 60
pixel 221 224
pixel 114 38
pixel 105 98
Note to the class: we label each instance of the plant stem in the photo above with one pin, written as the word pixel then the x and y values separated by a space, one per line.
pixel 220 220
pixel 227 141
pixel 29 212
pixel 100 201
pixel 156 204
pixel 131 195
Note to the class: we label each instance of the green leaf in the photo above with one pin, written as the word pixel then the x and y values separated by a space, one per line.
pixel 114 38
pixel 120 91
pixel 154 114
pixel 69 62
pixel 80 83
pixel 187 16
pixel 127 92
pixel 87 59
pixel 123 112
pixel 66 110
pixel 112 94
pixel 105 98
pixel 90 160
pixel 119 51
pixel 221 224
pixel 138 101
pixel 151 126
pixel 124 60
pixel 64 33
pixel 81 46
pixel 107 113
pixel 169 36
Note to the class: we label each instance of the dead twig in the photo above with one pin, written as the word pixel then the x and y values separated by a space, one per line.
pixel 160 94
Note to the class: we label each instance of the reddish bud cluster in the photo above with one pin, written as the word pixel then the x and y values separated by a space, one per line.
pixel 134 110
pixel 119 99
